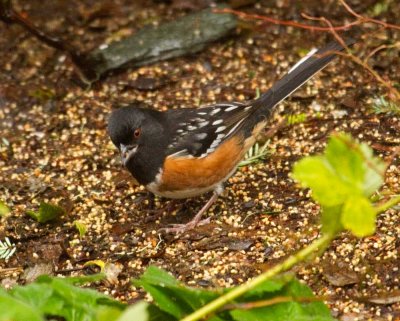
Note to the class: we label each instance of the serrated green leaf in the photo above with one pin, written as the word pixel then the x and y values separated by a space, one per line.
pixel 46 212
pixel 156 276
pixel 346 173
pixel 143 311
pixel 355 164
pixel 359 216
pixel 13 309
pixel 293 311
pixel 374 171
pixel 74 280
pixel 167 301
pixel 330 219
pixel 316 173
pixel 269 287
pixel 106 313
pixel 136 312
pixel 4 210
pixel 346 161
pixel 170 295
pixel 40 296
pixel 59 297
pixel 81 297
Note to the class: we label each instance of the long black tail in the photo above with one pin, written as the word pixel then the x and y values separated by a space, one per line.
pixel 307 67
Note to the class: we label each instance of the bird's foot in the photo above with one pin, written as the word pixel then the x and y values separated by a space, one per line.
pixel 182 228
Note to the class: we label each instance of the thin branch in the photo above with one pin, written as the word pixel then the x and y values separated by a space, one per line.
pixel 373 52
pixel 80 60
pixel 244 15
pixel 367 19
pixel 356 59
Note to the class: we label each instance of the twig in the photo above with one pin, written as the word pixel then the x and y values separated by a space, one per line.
pixel 360 19
pixel 284 22
pixel 356 59
pixel 80 60
pixel 373 52
pixel 367 19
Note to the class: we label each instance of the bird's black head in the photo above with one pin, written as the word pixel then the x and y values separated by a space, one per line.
pixel 140 137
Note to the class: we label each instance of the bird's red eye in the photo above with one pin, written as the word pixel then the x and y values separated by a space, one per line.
pixel 137 132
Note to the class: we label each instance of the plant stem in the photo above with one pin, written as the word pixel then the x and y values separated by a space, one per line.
pixel 303 254
pixel 390 203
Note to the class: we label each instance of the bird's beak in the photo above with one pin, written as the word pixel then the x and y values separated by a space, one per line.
pixel 127 151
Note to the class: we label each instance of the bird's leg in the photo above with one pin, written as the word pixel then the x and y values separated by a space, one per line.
pixel 181 228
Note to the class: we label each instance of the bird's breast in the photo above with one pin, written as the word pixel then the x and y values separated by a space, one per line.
pixel 188 177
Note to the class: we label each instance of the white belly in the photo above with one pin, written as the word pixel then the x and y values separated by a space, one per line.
pixel 180 193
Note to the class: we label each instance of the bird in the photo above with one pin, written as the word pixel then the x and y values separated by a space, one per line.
pixel 186 152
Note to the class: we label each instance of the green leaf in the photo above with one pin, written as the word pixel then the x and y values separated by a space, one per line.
pixel 13 309
pixel 59 297
pixel 346 161
pixel 359 216
pixel 355 164
pixel 81 297
pixel 47 212
pixel 75 280
pixel 137 312
pixel 106 313
pixel 4 210
pixel 82 228
pixel 293 311
pixel 156 276
pixel 316 173
pixel 330 219
pixel 170 295
pixel 143 311
pixel 269 287
pixel 177 300
pixel 374 171
pixel 347 173
pixel 40 296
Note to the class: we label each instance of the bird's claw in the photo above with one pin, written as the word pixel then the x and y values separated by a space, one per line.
pixel 182 228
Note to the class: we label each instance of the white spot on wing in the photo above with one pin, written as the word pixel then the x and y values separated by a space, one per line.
pixel 217 122
pixel 215 143
pixel 231 108
pixel 215 111
pixel 201 136
pixel 220 129
pixel 205 123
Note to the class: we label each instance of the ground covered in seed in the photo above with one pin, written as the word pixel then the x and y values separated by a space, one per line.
pixel 54 148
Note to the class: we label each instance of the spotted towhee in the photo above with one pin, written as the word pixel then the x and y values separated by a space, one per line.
pixel 186 152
